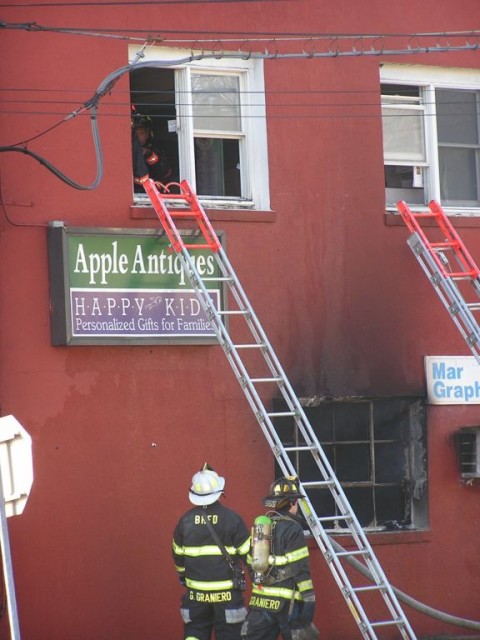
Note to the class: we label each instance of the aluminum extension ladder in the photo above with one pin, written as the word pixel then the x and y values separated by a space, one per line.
pixel 449 267
pixel 257 369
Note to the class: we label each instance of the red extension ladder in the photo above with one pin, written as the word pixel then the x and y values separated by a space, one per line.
pixel 449 267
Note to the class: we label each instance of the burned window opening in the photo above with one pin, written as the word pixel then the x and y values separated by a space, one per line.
pixel 377 448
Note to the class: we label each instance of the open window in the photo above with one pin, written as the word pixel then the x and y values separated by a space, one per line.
pixel 209 118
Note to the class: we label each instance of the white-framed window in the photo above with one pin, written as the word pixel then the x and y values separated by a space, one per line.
pixel 208 117
pixel 431 136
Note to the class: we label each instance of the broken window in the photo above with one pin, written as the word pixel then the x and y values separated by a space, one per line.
pixel 377 449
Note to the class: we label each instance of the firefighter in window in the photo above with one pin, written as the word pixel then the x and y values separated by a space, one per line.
pixel 149 159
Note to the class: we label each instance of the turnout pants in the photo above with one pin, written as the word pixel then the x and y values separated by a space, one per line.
pixel 222 611
pixel 265 625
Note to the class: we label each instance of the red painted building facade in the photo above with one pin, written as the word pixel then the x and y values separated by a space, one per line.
pixel 280 130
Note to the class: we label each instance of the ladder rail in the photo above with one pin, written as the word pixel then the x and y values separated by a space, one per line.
pixel 295 410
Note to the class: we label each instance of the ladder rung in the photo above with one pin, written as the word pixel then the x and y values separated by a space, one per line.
pixel 199 246
pixel 255 345
pixel 358 552
pixel 175 196
pixel 444 245
pixel 277 380
pixel 461 275
pixel 475 306
pixel 423 214
pixel 282 414
pixel 235 312
pixel 333 518
pixel 386 623
pixel 320 483
pixel 176 213
pixel 369 587
pixel 305 447
pixel 217 279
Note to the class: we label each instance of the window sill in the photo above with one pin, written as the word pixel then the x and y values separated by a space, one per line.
pixel 467 219
pixel 146 212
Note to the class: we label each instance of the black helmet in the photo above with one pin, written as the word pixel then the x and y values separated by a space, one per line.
pixel 141 122
pixel 283 491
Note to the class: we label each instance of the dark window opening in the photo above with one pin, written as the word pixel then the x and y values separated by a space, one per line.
pixel 152 96
pixel 407 91
pixel 377 448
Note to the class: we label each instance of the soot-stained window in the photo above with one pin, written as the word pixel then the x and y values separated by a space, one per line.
pixel 377 448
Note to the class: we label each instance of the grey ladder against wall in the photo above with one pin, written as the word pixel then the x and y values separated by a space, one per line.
pixel 449 267
pixel 261 376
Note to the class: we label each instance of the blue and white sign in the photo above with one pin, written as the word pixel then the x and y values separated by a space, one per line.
pixel 452 379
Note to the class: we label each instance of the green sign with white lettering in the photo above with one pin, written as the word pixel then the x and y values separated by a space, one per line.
pixel 117 286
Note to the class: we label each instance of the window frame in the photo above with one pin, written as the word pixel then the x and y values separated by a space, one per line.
pixel 428 80
pixel 253 148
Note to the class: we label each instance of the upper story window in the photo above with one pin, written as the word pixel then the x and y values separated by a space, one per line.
pixel 431 136
pixel 208 122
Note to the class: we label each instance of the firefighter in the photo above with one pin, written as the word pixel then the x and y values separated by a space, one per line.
pixel 148 158
pixel 214 595
pixel 282 600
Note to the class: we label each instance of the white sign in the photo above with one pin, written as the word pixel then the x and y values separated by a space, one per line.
pixel 15 464
pixel 452 379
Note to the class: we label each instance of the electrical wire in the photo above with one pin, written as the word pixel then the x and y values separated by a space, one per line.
pixel 243 37
pixel 254 35
pixel 113 3
pixel 236 94
pixel 108 83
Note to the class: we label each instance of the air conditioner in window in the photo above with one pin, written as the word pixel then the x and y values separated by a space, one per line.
pixel 467 444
